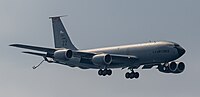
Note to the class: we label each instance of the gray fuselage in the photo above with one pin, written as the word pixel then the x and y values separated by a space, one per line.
pixel 147 53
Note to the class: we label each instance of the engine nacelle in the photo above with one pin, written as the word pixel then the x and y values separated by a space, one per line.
pixel 180 68
pixel 102 59
pixel 172 67
pixel 63 55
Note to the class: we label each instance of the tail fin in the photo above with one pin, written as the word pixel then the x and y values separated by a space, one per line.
pixel 61 38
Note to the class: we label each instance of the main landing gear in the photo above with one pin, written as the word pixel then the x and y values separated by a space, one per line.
pixel 105 72
pixel 128 75
pixel 132 75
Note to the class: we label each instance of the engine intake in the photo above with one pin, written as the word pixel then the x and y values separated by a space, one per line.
pixel 180 67
pixel 102 59
pixel 173 66
pixel 63 55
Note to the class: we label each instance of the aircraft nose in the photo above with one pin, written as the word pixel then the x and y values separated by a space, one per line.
pixel 180 50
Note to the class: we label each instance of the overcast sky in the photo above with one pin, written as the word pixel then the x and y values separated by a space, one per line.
pixel 91 24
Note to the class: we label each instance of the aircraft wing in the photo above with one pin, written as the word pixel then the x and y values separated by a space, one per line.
pixel 117 59
pixel 124 57
pixel 124 60
pixel 114 56
pixel 42 49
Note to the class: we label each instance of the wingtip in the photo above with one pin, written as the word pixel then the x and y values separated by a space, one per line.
pixel 24 52
pixel 13 44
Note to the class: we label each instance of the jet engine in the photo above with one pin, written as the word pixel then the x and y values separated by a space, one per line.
pixel 102 59
pixel 180 68
pixel 63 55
pixel 172 67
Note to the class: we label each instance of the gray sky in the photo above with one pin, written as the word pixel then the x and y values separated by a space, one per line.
pixel 91 24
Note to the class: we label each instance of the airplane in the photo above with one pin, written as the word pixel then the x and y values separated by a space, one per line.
pixel 161 54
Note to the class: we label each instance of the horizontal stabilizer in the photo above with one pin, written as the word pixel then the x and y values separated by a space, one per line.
pixel 34 53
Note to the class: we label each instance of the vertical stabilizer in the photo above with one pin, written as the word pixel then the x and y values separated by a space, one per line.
pixel 61 38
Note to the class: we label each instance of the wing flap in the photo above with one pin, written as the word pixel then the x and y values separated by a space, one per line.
pixel 123 59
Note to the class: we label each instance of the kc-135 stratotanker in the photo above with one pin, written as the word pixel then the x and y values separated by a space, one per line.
pixel 162 54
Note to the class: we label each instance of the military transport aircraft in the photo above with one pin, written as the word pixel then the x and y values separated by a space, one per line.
pixel 161 54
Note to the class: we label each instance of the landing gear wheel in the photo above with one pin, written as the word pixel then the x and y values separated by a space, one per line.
pixel 100 72
pixel 132 75
pixel 109 72
pixel 160 67
pixel 127 75
pixel 104 72
pixel 136 75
